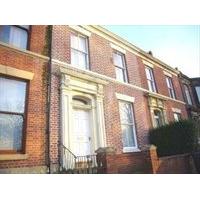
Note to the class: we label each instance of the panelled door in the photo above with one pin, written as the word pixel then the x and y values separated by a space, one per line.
pixel 81 136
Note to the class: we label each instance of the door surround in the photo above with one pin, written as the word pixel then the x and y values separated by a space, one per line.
pixel 74 87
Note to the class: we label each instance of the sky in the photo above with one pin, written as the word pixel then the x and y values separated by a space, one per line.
pixel 176 45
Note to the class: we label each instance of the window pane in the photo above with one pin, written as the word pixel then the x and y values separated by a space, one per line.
pixel 118 60
pixel 18 37
pixel 74 41
pixel 198 92
pixel 74 57
pixel 11 127
pixel 158 118
pixel 126 113
pixel 187 94
pixel 127 136
pixel 82 60
pixel 12 98
pixel 177 116
pixel 168 82
pixel 127 124
pixel 148 73
pixel 119 74
pixel 4 33
pixel 83 44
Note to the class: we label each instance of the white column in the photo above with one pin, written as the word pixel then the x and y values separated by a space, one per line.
pixel 100 121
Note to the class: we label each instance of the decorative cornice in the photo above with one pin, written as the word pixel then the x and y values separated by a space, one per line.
pixel 117 40
pixel 99 78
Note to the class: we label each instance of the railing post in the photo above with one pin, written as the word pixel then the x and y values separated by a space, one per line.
pixel 106 160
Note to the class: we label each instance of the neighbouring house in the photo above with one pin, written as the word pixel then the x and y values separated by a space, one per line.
pixel 191 93
pixel 69 92
pixel 23 99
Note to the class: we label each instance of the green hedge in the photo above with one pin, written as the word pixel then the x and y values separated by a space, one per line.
pixel 175 138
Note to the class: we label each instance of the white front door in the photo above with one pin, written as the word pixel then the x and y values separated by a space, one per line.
pixel 81 135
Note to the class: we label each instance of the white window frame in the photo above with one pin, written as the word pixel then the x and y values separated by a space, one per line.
pixel 151 82
pixel 177 114
pixel 124 68
pixel 170 87
pixel 134 148
pixel 197 89
pixel 187 94
pixel 86 53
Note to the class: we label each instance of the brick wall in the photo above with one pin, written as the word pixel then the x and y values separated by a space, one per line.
pixel 36 138
pixel 145 161
pixel 100 56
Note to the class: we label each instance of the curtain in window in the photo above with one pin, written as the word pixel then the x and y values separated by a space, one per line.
pixel 127 124
pixel 18 37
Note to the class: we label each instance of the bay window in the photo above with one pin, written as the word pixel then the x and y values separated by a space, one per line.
pixel 79 51
pixel 12 114
pixel 15 35
pixel 127 126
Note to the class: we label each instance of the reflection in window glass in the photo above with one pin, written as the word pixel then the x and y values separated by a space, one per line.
pixel 127 124
pixel 12 108
pixel 10 132
pixel 15 35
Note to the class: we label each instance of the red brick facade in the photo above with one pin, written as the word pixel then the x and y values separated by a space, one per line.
pixel 42 145
pixel 36 138
pixel 101 62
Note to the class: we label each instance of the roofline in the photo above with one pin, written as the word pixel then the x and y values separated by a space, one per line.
pixel 135 48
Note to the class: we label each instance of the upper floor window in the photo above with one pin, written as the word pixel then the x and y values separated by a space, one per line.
pixel 79 51
pixel 15 35
pixel 187 94
pixel 127 126
pixel 197 88
pixel 120 66
pixel 150 79
pixel 12 114
pixel 170 87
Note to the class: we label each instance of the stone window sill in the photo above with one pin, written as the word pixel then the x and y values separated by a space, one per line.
pixel 13 156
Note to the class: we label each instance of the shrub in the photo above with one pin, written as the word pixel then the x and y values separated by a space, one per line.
pixel 175 138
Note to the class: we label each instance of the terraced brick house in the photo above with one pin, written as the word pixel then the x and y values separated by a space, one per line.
pixel 71 92
pixel 105 92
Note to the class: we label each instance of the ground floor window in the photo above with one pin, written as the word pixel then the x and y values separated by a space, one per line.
pixel 127 126
pixel 177 116
pixel 158 118
pixel 12 114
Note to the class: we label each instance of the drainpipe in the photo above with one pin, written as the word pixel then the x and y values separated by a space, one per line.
pixel 49 98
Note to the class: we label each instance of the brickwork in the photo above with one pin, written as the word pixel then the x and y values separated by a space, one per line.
pixel 145 161
pixel 36 138
pixel 101 62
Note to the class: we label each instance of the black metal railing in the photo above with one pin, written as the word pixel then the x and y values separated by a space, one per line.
pixel 79 164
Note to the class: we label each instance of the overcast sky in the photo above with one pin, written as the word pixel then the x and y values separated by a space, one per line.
pixel 177 46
